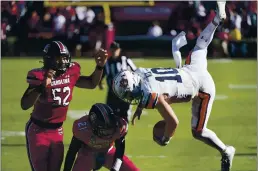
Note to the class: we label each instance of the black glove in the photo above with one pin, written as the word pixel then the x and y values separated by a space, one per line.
pixel 162 141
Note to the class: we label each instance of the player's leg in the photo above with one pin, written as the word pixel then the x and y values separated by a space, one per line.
pixel 56 153
pixel 37 147
pixel 84 161
pixel 198 56
pixel 178 42
pixel 201 109
pixel 127 164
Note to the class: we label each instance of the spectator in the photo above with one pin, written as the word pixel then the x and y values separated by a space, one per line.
pixel 59 23
pixel 155 30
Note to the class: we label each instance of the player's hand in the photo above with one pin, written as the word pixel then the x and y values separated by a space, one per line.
pixel 101 86
pixel 137 113
pixel 49 75
pixel 101 57
pixel 162 141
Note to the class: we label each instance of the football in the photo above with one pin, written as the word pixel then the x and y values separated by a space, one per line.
pixel 159 128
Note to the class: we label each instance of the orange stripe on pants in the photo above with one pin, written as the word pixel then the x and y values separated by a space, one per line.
pixel 205 97
pixel 188 59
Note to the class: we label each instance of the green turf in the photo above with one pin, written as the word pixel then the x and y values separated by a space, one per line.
pixel 233 119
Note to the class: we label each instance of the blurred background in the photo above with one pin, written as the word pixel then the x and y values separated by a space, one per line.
pixel 143 28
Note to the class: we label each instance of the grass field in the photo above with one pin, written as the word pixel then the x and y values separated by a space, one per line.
pixel 233 118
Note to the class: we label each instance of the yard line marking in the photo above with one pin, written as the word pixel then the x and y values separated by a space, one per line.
pixel 221 61
pixel 76 114
pixel 146 156
pixel 11 134
pixel 242 86
pixel 221 97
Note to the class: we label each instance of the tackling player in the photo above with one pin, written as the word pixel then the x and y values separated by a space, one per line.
pixel 94 136
pixel 158 87
pixel 50 91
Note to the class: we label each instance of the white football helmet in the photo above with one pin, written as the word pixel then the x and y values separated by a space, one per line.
pixel 127 86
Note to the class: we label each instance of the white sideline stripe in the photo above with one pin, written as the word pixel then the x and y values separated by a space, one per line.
pixel 76 114
pixel 221 97
pixel 12 133
pixel 223 60
pixel 242 86
pixel 146 156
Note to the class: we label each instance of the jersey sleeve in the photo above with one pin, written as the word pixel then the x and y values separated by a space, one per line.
pixel 150 98
pixel 35 77
pixel 77 69
pixel 80 130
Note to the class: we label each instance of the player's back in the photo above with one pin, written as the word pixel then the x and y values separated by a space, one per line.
pixel 170 81
pixel 83 131
pixel 53 104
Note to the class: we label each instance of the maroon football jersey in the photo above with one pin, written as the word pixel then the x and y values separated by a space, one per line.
pixel 82 130
pixel 53 104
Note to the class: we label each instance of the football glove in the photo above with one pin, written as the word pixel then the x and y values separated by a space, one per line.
pixel 162 141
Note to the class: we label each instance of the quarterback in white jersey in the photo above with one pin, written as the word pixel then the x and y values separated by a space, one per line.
pixel 159 87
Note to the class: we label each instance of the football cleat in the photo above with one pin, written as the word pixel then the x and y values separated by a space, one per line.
pixel 227 158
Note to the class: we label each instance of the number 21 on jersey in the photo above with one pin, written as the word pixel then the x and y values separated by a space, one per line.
pixel 57 92
pixel 162 74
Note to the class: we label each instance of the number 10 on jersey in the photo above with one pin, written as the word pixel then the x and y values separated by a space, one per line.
pixel 171 74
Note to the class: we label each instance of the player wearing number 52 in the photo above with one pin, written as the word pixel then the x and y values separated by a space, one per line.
pixel 50 91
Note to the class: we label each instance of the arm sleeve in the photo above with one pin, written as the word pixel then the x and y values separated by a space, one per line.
pixel 131 64
pixel 120 150
pixel 71 153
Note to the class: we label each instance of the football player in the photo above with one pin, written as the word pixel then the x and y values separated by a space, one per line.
pixel 94 137
pixel 50 91
pixel 158 87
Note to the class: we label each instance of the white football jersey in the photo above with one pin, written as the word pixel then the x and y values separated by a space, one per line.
pixel 170 81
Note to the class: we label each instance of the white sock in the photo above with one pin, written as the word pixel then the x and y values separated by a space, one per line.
pixel 177 57
pixel 210 138
pixel 207 34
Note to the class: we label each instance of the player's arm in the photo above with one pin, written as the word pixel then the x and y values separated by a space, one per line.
pixel 33 92
pixel 74 147
pixel 170 118
pixel 30 96
pixel 101 86
pixel 118 157
pixel 90 82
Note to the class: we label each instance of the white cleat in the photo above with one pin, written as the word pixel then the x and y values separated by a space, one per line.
pixel 221 10
pixel 227 158
pixel 179 41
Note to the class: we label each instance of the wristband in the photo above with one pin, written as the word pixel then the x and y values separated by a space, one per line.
pixel 99 67
pixel 117 164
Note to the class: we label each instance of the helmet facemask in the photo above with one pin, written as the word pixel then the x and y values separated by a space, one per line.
pixel 56 59
pixel 101 129
pixel 129 88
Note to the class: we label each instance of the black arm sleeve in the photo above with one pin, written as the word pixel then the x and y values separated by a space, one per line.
pixel 120 148
pixel 71 153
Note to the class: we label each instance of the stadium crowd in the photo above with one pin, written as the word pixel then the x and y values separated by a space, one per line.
pixel 23 24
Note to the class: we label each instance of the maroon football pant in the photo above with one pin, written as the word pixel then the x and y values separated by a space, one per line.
pixel 45 147
pixel 85 161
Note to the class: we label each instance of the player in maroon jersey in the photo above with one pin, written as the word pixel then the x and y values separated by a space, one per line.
pixel 50 91
pixel 94 137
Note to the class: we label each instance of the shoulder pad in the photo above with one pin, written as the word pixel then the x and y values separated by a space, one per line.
pixel 35 76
